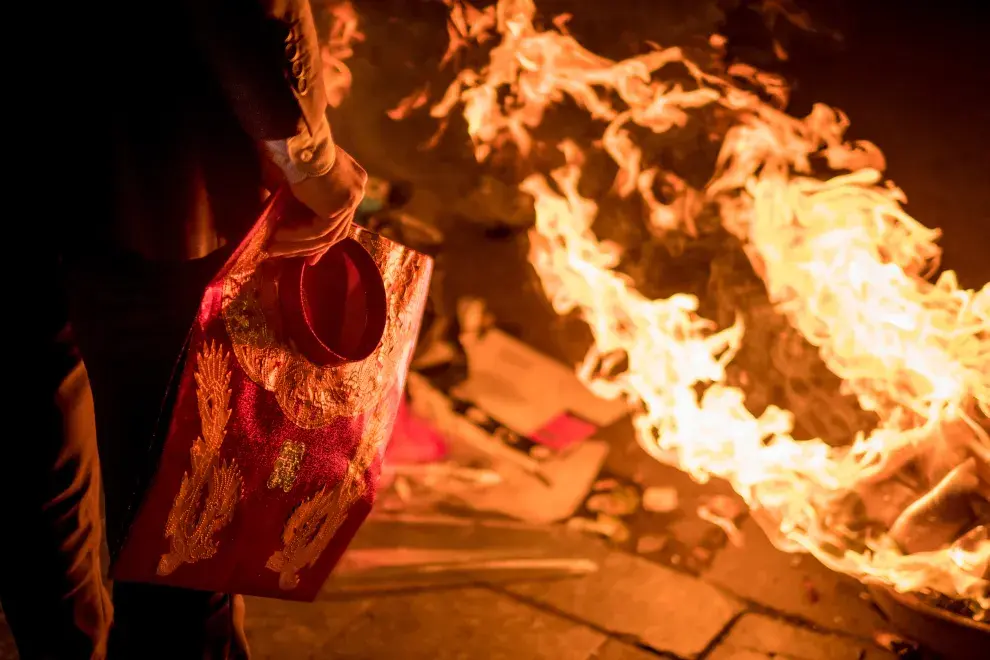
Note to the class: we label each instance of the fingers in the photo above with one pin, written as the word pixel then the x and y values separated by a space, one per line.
pixel 312 246
pixel 344 183
pixel 311 254
pixel 317 227
pixel 333 199
pixel 313 259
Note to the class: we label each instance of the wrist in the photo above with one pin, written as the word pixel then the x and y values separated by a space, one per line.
pixel 311 153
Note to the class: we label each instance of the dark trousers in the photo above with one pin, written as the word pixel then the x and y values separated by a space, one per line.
pixel 129 320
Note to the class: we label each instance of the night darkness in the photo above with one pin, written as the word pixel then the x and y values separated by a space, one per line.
pixel 912 76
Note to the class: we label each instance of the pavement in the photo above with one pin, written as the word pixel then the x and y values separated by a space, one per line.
pixel 730 601
pixel 631 609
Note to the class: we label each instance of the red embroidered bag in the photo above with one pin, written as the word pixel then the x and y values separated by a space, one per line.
pixel 284 406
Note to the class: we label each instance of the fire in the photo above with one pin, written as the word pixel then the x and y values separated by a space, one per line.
pixel 336 48
pixel 840 258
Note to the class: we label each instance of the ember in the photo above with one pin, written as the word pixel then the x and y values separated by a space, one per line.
pixel 839 257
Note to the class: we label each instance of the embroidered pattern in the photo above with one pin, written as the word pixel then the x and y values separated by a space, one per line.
pixel 309 395
pixel 287 465
pixel 312 396
pixel 317 519
pixel 196 516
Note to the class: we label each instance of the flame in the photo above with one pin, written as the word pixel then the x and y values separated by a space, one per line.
pixel 840 258
pixel 344 33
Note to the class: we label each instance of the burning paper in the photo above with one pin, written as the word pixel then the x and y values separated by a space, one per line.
pixel 839 257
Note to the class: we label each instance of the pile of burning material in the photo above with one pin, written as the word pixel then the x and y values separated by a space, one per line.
pixel 903 502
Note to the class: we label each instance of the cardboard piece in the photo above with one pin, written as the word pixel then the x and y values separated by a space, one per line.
pixel 526 417
pixel 527 390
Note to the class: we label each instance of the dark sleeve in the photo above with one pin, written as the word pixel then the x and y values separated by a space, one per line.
pixel 266 56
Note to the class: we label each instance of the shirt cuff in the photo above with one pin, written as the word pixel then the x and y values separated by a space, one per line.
pixel 307 155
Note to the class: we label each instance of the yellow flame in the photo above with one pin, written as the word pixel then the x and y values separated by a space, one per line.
pixel 839 257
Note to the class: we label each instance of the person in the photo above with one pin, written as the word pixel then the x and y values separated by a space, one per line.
pixel 185 117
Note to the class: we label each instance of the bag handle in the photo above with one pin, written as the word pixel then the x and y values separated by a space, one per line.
pixel 335 310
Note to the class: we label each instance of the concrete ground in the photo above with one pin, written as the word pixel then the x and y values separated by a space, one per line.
pixel 922 103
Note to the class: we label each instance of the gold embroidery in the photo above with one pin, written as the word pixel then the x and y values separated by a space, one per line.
pixel 316 520
pixel 313 396
pixel 309 395
pixel 194 519
pixel 287 465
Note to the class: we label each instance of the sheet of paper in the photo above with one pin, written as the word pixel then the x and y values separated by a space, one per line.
pixel 526 390
pixel 543 491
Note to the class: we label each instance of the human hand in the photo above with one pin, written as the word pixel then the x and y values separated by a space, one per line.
pixel 333 199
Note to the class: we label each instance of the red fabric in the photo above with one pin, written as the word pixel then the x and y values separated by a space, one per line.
pixel 344 284
pixel 255 433
pixel 563 431
pixel 414 440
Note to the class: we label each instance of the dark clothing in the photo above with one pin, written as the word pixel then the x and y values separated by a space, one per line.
pixel 130 320
pixel 156 132
pixel 51 583
pixel 174 106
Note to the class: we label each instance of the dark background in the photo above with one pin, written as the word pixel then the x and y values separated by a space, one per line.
pixel 913 78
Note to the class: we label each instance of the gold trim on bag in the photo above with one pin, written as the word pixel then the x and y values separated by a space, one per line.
pixel 309 395
pixel 317 519
pixel 287 465
pixel 194 519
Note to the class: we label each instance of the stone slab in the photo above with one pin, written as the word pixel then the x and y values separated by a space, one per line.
pixel 460 625
pixel 613 649
pixel 400 552
pixel 794 584
pixel 629 596
pixel 287 630
pixel 756 636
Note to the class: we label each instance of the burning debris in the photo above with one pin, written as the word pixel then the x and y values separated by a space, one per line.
pixel 520 425
pixel 902 503
pixel 660 499
pixel 725 513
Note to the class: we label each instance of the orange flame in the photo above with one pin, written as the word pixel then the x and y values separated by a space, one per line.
pixel 840 258
pixel 344 32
